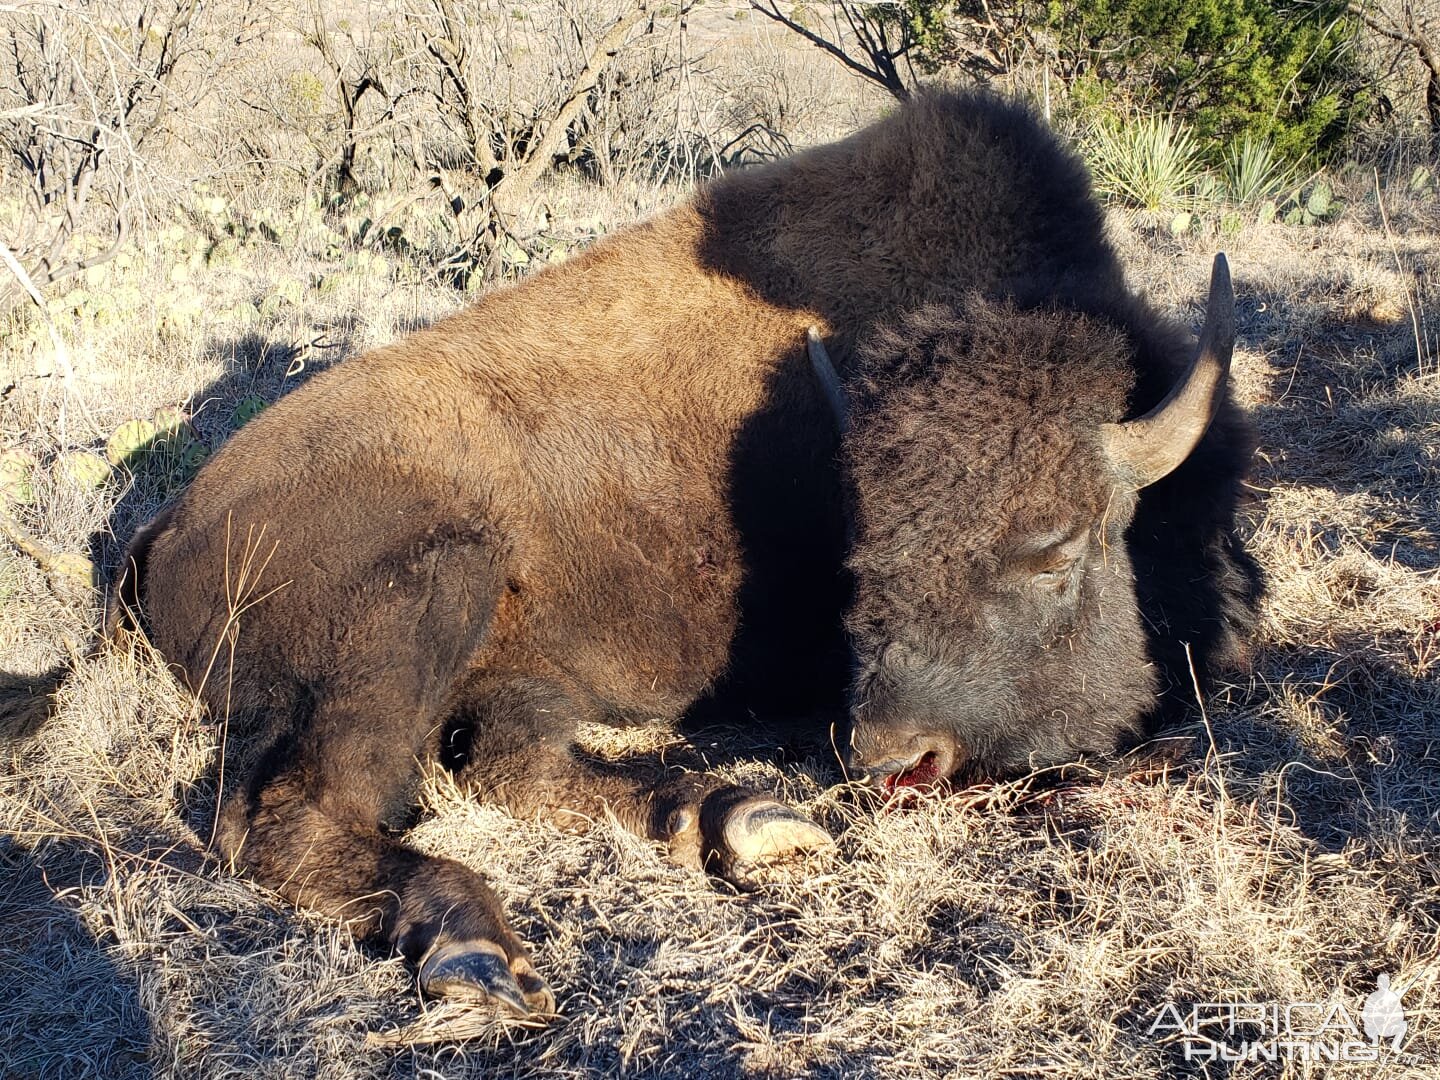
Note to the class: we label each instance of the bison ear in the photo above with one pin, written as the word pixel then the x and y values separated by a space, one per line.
pixel 829 381
pixel 1154 445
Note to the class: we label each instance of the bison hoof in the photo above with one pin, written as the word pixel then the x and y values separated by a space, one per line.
pixel 480 971
pixel 762 840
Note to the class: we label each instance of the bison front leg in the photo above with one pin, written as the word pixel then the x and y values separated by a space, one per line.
pixel 314 833
pixel 370 656
pixel 519 750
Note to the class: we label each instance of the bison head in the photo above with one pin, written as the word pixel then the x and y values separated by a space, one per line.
pixel 995 627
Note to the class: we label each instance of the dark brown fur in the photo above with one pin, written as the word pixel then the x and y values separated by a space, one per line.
pixel 600 495
pixel 995 622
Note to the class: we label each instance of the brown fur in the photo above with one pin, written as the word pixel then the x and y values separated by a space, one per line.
pixel 602 494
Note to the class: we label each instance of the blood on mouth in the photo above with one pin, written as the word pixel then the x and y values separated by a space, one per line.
pixel 923 773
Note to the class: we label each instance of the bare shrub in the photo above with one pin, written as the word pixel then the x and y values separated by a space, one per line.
pixel 359 57
pixel 874 41
pixel 509 86
pixel 651 117
pixel 494 97
pixel 1408 34
pixel 88 92
pixel 771 101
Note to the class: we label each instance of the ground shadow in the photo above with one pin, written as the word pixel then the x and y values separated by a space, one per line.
pixel 69 1009
pixel 258 371
pixel 1345 417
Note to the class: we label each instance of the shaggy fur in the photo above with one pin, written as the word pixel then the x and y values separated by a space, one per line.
pixel 994 621
pixel 610 493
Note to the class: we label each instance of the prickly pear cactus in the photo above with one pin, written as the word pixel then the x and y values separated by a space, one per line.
pixel 247 409
pixel 130 440
pixel 17 472
pixel 85 469
pixel 171 422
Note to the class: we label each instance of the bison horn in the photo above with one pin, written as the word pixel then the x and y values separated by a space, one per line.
pixel 1154 445
pixel 829 381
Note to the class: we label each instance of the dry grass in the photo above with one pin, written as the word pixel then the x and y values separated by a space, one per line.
pixel 989 934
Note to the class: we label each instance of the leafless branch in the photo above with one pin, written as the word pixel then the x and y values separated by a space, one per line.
pixel 878 61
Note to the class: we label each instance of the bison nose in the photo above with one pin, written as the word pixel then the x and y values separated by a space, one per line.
pixel 904 759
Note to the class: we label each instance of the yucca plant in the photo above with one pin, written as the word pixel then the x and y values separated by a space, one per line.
pixel 1153 163
pixel 1254 173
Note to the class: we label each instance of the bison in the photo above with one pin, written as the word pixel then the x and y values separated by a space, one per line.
pixel 612 493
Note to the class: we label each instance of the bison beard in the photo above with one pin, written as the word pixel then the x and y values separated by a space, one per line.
pixel 611 493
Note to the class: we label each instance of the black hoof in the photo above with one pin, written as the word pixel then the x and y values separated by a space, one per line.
pixel 480 971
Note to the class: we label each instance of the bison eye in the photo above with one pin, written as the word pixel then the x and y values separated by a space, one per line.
pixel 1054 579
pixel 1048 564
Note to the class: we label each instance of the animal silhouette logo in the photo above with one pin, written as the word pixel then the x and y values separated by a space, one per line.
pixel 1383 1015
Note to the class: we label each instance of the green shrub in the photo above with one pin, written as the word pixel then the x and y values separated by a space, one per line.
pixel 1153 163
pixel 1254 173
pixel 1277 70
